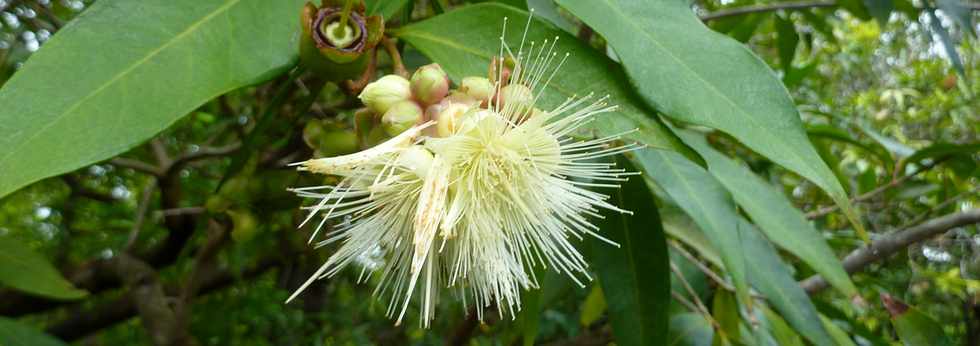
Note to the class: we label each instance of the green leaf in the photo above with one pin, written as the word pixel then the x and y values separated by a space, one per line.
pixel 840 336
pixel 531 302
pixel 913 326
pixel 125 88
pixel 706 201
pixel 693 74
pixel 840 135
pixel 23 269
pixel 780 221
pixel 593 307
pixel 384 8
pixel 690 329
pixel 942 150
pixel 880 10
pixel 634 277
pixel 549 11
pixel 725 311
pixel 464 40
pixel 960 13
pixel 772 278
pixel 13 333
pixel 680 226
pixel 856 8
pixel 786 39
pixel 948 44
pixel 783 334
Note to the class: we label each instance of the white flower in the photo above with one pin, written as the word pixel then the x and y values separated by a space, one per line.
pixel 499 191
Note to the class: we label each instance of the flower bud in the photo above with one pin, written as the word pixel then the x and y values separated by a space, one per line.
pixel 447 116
pixel 400 117
pixel 429 84
pixel 516 100
pixel 385 92
pixel 416 159
pixel 477 87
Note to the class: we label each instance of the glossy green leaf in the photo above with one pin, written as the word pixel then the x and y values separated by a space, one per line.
pixel 13 333
pixel 786 41
pixel 693 74
pixel 593 307
pixel 840 336
pixel 548 10
pixel 948 44
pixel 384 8
pixel 706 201
pixel 782 333
pixel 531 306
pixel 913 326
pixel 840 135
pixel 634 277
pixel 779 220
pixel 942 150
pixel 880 10
pixel 23 269
pixel 174 56
pixel 772 278
pixel 724 309
pixel 690 329
pixel 960 12
pixel 464 40
pixel 680 226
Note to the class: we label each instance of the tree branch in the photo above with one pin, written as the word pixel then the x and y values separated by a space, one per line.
pixel 798 5
pixel 889 244
pixel 738 11
pixel 87 320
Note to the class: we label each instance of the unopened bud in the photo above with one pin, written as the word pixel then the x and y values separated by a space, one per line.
pixel 429 84
pixel 416 159
pixel 400 117
pixel 385 92
pixel 477 87
pixel 515 100
pixel 448 118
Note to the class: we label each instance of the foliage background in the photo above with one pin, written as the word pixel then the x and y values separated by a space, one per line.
pixel 886 91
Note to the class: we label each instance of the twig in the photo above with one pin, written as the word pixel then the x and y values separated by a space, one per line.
pixel 707 271
pixel 823 211
pixel 697 301
pixel 355 87
pixel 683 301
pixel 180 211
pixel 887 245
pixel 737 11
pixel 160 152
pixel 396 58
pixel 141 209
pixel 137 165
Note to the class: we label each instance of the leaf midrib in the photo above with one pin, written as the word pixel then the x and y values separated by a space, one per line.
pixel 679 61
pixel 223 8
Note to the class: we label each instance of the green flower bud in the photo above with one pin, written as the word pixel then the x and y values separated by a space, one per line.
pixel 430 84
pixel 334 47
pixel 477 87
pixel 400 117
pixel 244 225
pixel 385 92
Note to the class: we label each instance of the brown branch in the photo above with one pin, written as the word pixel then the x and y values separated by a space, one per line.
pixel 800 5
pixel 161 319
pixel 738 11
pixel 823 211
pixel 89 319
pixel 141 210
pixel 396 58
pixel 889 244
pixel 137 165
